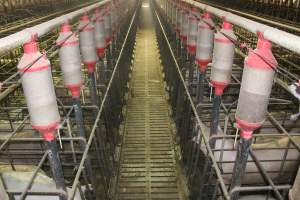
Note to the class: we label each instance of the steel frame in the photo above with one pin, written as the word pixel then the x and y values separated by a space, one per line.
pixel 199 163
pixel 75 150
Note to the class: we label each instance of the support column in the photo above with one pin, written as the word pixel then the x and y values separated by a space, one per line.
pixel 240 163
pixel 56 168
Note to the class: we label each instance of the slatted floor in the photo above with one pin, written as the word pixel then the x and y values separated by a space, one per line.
pixel 148 166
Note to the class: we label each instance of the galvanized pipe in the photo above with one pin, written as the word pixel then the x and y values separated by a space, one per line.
pixel 82 133
pixel 282 38
pixel 97 120
pixel 202 128
pixel 56 167
pixel 215 116
pixel 217 156
pixel 265 175
pixel 79 117
pixel 240 167
pixel 200 86
pixel 17 39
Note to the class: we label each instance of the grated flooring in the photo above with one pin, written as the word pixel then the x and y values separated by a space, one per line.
pixel 148 168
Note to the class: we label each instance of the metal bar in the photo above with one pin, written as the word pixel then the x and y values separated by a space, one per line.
pixel 240 165
pixel 17 39
pixel 12 28
pixel 191 72
pixel 264 20
pixel 101 156
pixel 56 167
pixel 79 117
pixel 258 188
pixel 80 126
pixel 215 117
pixel 277 124
pixel 93 89
pixel 265 175
pixel 24 193
pixel 14 132
pixel 200 86
pixel 282 38
pixel 92 134
pixel 198 121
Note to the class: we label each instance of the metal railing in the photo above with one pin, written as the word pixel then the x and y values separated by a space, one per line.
pixel 82 159
pixel 187 118
pixel 209 170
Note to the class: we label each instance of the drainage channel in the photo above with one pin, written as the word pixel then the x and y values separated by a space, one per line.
pixel 148 167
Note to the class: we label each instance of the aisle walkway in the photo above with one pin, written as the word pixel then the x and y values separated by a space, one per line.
pixel 148 166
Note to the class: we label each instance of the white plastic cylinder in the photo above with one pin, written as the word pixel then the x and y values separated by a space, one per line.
pixel 113 16
pixel 174 13
pixel 87 43
pixel 99 33
pixel 168 9
pixel 205 41
pixel 70 59
pixel 178 19
pixel 223 55
pixel 107 25
pixel 39 90
pixel 184 25
pixel 256 86
pixel 192 31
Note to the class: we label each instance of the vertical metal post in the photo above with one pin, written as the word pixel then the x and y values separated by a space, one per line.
pixel 191 72
pixel 109 57
pixel 200 86
pixel 184 58
pixel 113 52
pixel 93 89
pixel 178 47
pixel 215 118
pixel 240 165
pixel 56 168
pixel 79 117
pixel 100 153
pixel 102 72
pixel 82 133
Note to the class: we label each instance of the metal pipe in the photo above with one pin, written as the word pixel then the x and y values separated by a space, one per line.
pixel 261 19
pixel 260 188
pixel 79 117
pixel 282 38
pixel 265 175
pixel 19 127
pixel 13 28
pixel 191 72
pixel 17 39
pixel 200 86
pixel 24 193
pixel 99 151
pixel 92 88
pixel 240 165
pixel 56 167
pixel 215 117
pixel 202 127
pixel 82 133
pixel 97 120
pixel 269 154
